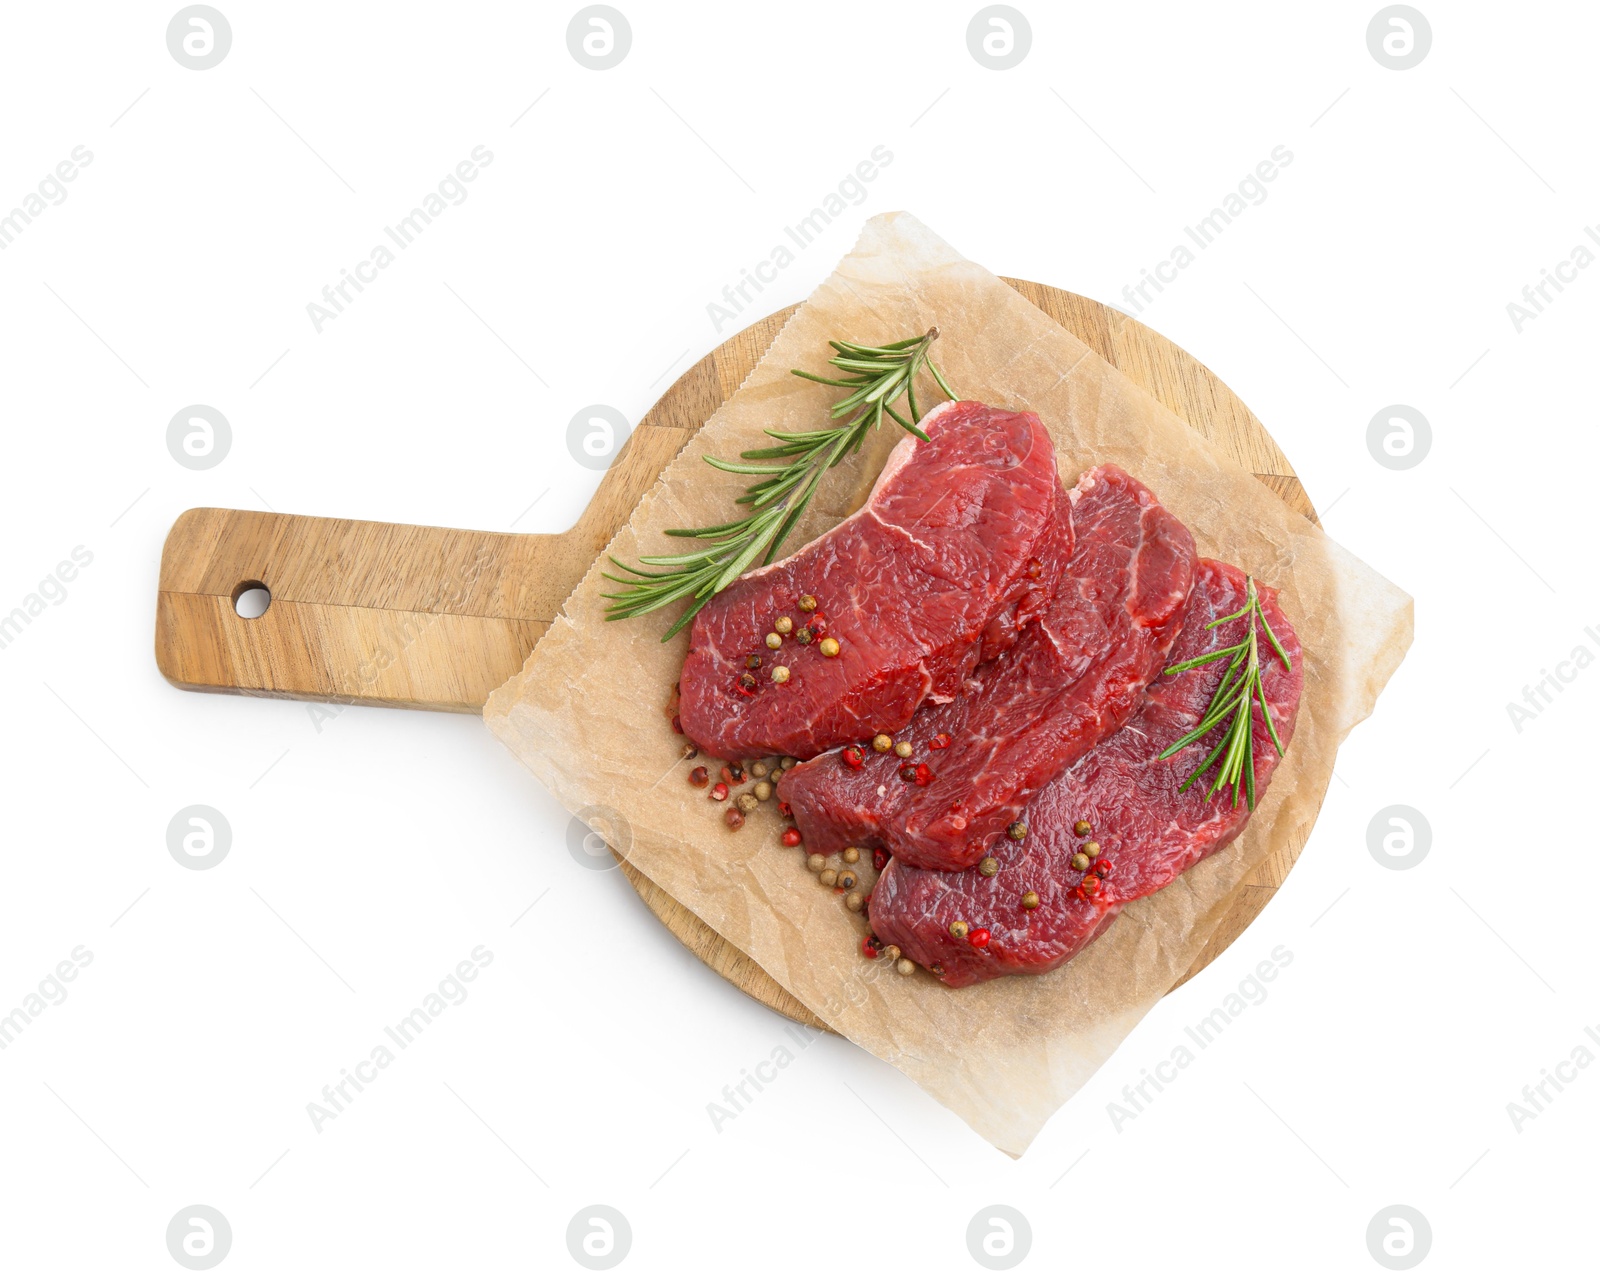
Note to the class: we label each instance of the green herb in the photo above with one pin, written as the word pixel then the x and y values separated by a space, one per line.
pixel 1234 756
pixel 875 376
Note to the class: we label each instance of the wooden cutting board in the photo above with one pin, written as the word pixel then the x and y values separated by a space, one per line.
pixel 430 618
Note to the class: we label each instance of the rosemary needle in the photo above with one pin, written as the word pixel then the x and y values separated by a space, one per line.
pixel 1236 695
pixel 786 478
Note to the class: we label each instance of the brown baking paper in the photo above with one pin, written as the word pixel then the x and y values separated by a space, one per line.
pixel 586 712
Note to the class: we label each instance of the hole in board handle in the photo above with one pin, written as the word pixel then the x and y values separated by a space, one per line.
pixel 251 599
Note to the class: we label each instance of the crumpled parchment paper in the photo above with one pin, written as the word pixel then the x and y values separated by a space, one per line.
pixel 585 714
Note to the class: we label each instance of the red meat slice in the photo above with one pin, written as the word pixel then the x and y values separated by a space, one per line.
pixel 1072 679
pixel 1149 830
pixel 936 569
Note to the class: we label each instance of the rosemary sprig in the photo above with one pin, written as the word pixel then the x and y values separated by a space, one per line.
pixel 1234 755
pixel 875 376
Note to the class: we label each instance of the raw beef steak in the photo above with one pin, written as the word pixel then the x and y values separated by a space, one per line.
pixel 1071 680
pixel 1148 830
pixel 936 569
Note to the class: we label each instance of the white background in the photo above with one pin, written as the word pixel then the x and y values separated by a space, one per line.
pixel 178 271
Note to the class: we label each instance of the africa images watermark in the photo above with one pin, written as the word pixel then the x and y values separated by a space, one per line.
pixel 1251 190
pixel 51 591
pixel 51 191
pixel 451 991
pixel 452 188
pixel 1538 1096
pixel 1539 696
pixel 1251 991
pixel 52 991
pixel 852 189
pixel 1536 296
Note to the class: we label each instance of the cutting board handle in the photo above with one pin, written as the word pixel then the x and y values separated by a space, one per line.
pixel 378 613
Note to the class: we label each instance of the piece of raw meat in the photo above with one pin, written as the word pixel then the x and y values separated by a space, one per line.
pixel 1072 678
pixel 938 568
pixel 1148 830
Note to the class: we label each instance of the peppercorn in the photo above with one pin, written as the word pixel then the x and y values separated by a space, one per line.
pixel 791 837
pixel 699 778
pixel 852 901
pixel 880 858
pixel 789 762
pixel 783 624
pixel 988 866
pixel 816 863
pixel 979 938
pixel 882 743
pixel 1091 849
pixel 783 808
pixel 868 948
pixel 774 642
pixel 1017 831
pixel 733 773
pixel 908 773
pixel 847 879
pixel 940 741
pixel 1090 884
pixel 829 647
pixel 854 758
pixel 959 929
pixel 677 725
pixel 1030 901
pixel 689 751
pixel 780 675
pixel 734 817
pixel 851 855
pixel 828 877
pixel 922 775
pixel 905 966
pixel 807 603
pixel 1080 861
pixel 1082 829
pixel 1102 867
pixel 902 749
pixel 759 770
pixel 804 636
pixel 747 682
pixel 746 802
pixel 719 792
pixel 763 790
pixel 1035 569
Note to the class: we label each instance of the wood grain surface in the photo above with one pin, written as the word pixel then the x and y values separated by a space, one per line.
pixel 433 618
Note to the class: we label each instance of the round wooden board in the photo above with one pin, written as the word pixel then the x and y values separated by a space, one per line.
pixel 1147 359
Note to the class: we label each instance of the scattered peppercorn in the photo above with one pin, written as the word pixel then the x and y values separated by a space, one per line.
pixel 733 773
pixel 760 770
pixel 905 966
pixel 868 948
pixel 746 802
pixel 1017 831
pixel 828 877
pixel 734 817
pixel 752 661
pixel 677 725
pixel 807 603
pixel 699 778
pixel 789 762
pixel 774 642
pixel 979 938
pixel 851 855
pixel 854 758
pixel 747 682
pixel 940 741
pixel 804 636
pixel 882 743
pixel 1030 901
pixel 1082 829
pixel 829 647
pixel 880 858
pixel 689 751
pixel 1102 867
pixel 923 775
pixel 719 792
pixel 783 808
pixel 763 790
pixel 1080 861
pixel 852 901
pixel 903 749
pixel 1090 884
pixel 783 624
pixel 959 929
pixel 988 866
pixel 847 879
pixel 780 675
pixel 791 837
pixel 908 773
pixel 816 863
